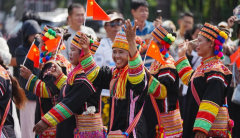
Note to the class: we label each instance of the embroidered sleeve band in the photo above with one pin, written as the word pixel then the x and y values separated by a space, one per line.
pixel 38 87
pixel 208 110
pixel 155 88
pixel 184 69
pixel 218 77
pixel 57 114
pixel 90 67
pixel 61 81
pixel 136 70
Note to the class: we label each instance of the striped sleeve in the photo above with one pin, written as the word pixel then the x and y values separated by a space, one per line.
pixel 76 96
pixel 61 81
pixel 57 114
pixel 136 71
pixel 90 67
pixel 158 90
pixel 212 100
pixel 184 69
pixel 207 113
pixel 38 87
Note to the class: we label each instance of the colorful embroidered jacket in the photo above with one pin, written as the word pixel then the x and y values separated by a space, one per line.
pixel 167 89
pixel 136 91
pixel 73 100
pixel 44 87
pixel 211 81
pixel 5 95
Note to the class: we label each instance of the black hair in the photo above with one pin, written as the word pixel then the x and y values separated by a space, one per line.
pixel 189 14
pixel 188 34
pixel 170 30
pixel 135 4
pixel 74 5
pixel 111 11
pixel 31 15
pixel 18 93
pixel 61 30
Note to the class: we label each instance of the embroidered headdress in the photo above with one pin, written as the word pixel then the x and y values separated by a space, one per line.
pixel 120 41
pixel 215 35
pixel 48 33
pixel 163 37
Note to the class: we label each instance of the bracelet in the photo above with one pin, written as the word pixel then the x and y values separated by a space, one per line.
pixel 125 133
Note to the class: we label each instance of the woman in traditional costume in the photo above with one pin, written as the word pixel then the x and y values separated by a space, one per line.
pixel 206 113
pixel 43 85
pixel 10 90
pixel 161 113
pixel 127 83
pixel 78 112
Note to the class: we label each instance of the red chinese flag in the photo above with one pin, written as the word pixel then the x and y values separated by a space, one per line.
pixel 89 8
pixel 36 60
pixel 94 10
pixel 33 55
pixel 153 52
pixel 235 56
pixel 52 44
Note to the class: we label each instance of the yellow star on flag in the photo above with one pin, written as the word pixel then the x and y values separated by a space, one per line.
pixel 91 2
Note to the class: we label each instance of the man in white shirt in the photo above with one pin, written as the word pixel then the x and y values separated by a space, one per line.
pixel 76 13
pixel 185 22
pixel 103 56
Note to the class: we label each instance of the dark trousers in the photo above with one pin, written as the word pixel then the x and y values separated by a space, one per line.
pixel 234 113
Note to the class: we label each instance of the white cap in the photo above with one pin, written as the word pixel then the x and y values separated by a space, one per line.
pixel 113 16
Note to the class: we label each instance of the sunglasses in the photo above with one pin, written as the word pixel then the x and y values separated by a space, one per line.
pixel 113 24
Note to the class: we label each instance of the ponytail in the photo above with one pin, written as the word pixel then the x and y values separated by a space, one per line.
pixel 19 97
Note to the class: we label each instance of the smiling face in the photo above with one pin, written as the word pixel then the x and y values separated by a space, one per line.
pixel 74 55
pixel 120 57
pixel 205 47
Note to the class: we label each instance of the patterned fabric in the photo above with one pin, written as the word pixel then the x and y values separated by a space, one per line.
pixel 208 110
pixel 61 81
pixel 210 82
pixel 89 126
pixel 120 41
pixel 90 67
pixel 136 71
pixel 4 75
pixel 157 89
pixel 184 69
pixel 118 83
pixel 133 72
pixel 170 118
pixel 45 29
pixel 57 114
pixel 71 76
pixel 38 87
pixel 75 43
pixel 209 31
pixel 49 133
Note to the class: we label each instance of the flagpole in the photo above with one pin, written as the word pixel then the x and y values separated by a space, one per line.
pixel 85 15
pixel 57 49
pixel 146 53
pixel 28 53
